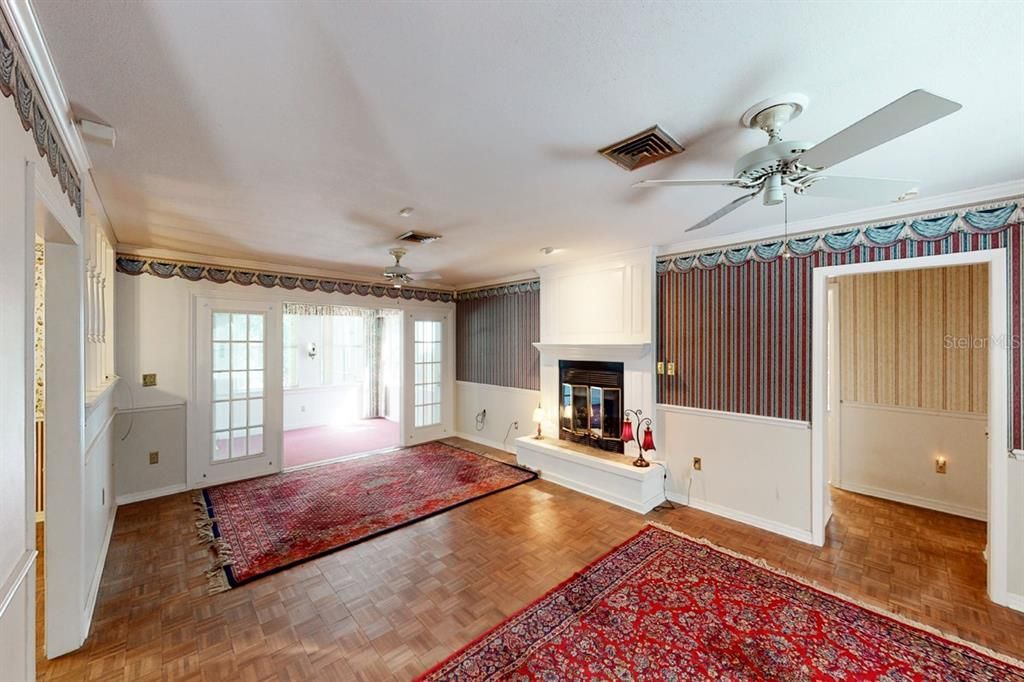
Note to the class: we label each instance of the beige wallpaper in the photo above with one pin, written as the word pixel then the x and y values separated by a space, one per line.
pixel 916 338
pixel 40 339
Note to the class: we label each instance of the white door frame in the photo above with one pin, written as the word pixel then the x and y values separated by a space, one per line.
pixel 998 445
pixel 66 624
pixel 198 442
pixel 410 435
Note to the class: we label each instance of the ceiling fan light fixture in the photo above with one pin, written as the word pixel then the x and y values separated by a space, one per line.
pixel 773 192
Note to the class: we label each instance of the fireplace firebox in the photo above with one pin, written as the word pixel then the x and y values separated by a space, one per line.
pixel 590 404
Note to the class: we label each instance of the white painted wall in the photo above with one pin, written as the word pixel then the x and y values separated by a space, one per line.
pixel 153 332
pixel 17 544
pixel 874 462
pixel 322 405
pixel 756 470
pixel 504 406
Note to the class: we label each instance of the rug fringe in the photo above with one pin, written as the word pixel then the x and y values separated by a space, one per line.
pixel 216 578
pixel 761 563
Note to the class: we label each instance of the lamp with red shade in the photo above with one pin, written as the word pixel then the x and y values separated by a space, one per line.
pixel 643 424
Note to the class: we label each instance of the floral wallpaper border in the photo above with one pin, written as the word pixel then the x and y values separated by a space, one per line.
pixel 194 272
pixel 982 219
pixel 16 80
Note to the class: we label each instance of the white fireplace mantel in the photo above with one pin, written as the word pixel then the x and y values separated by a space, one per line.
pixel 594 351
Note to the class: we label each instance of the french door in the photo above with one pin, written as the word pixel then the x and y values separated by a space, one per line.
pixel 235 419
pixel 428 385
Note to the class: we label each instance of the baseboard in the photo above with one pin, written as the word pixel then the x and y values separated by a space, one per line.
pixel 94 588
pixel 1015 602
pixel 791 532
pixel 915 501
pixel 150 494
pixel 486 441
pixel 642 508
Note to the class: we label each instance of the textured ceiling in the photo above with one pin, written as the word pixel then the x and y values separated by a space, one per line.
pixel 294 132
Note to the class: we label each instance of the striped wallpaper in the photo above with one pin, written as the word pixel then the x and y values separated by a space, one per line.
pixel 916 338
pixel 740 335
pixel 494 339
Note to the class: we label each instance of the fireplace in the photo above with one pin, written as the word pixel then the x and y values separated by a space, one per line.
pixel 590 403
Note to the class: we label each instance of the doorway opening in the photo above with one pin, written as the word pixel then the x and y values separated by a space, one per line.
pixel 909 396
pixel 341 382
pixel 907 414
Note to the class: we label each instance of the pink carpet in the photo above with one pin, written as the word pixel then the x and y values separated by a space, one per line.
pixel 320 443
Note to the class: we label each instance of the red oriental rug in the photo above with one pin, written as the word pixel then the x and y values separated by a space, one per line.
pixel 264 524
pixel 666 607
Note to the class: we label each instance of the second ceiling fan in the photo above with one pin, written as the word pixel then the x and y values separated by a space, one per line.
pixel 799 165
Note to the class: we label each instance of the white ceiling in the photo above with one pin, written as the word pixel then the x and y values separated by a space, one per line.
pixel 293 133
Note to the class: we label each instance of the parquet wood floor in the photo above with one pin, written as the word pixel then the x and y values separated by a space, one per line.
pixel 390 607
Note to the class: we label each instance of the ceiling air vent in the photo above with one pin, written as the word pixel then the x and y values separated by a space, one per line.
pixel 642 149
pixel 417 237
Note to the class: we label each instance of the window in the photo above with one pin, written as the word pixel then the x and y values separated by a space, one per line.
pixel 427 367
pixel 347 354
pixel 238 350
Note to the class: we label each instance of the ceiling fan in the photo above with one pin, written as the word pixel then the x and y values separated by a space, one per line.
pixel 396 275
pixel 799 165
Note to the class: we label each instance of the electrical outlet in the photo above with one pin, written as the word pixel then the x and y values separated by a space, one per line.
pixel 697 464
pixel 154 457
pixel 149 380
pixel 940 465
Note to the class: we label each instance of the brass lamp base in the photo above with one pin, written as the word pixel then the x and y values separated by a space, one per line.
pixel 640 461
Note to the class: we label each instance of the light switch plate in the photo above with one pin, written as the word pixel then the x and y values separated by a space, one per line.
pixel 149 380
pixel 661 367
pixel 671 369
pixel 154 457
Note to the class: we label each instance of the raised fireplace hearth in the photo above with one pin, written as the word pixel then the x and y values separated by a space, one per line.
pixel 591 403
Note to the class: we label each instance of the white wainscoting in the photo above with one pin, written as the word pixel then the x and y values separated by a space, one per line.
pixel 756 470
pixel 504 406
pixel 17 620
pixel 890 452
pixel 143 430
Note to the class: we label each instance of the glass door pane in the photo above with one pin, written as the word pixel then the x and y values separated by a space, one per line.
pixel 427 372
pixel 237 385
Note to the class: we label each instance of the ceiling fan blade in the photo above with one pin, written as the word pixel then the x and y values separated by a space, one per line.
pixel 725 210
pixel 872 189
pixel 425 275
pixel 686 183
pixel 910 112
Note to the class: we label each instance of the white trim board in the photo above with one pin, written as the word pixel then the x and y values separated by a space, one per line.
pixel 916 501
pixel 495 387
pixel 16 579
pixel 791 532
pixel 734 416
pixel 485 441
pixel 94 588
pixel 129 498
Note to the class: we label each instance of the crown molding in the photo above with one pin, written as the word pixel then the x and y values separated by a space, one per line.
pixel 184 257
pixel 888 212
pixel 30 36
pixel 517 278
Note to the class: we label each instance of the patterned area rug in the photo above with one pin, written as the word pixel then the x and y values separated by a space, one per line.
pixel 264 524
pixel 666 607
